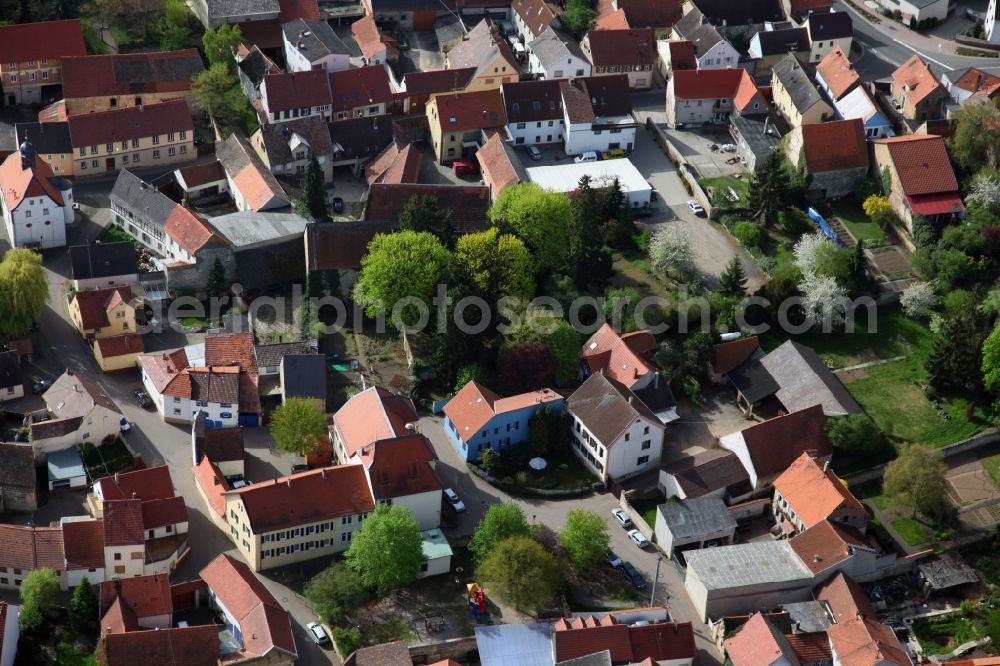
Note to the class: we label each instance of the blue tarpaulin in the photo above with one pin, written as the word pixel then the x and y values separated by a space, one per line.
pixel 818 219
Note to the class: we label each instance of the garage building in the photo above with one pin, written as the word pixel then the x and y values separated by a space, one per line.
pixel 694 523
pixel 566 177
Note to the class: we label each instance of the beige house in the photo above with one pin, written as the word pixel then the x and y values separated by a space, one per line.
pixel 103 313
pixel 31 56
pixel 795 97
pixel 488 54
pixel 138 136
pixel 457 122
pixel 298 517
pixel 118 353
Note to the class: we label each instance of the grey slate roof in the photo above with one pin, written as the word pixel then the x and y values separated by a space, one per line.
pixel 553 46
pixel 773 42
pixel 320 41
pixel 156 70
pixel 797 82
pixel 65 464
pixel 699 516
pixel 804 381
pixel 10 370
pixel 528 644
pixel 830 25
pixel 703 38
pixel 304 376
pixel 741 12
pixel 221 9
pixel 277 136
pixel 102 260
pixel 752 129
pixel 46 137
pixel 269 356
pixel 255 65
pixel 745 564
pixel 752 380
pixel 246 228
pixel 17 465
pixel 137 196
pixel 946 571
pixel 360 137
pixel 605 408
pixel 709 471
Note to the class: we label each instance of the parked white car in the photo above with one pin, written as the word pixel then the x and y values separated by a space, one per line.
pixel 317 633
pixel 637 538
pixel 695 207
pixel 453 500
pixel 621 517
pixel 589 156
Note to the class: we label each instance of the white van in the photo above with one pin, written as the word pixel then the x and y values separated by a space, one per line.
pixel 590 156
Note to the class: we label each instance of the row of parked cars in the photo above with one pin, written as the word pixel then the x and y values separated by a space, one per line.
pixel 628 571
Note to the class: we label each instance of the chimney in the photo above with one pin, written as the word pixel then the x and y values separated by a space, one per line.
pixel 826 466
pixel 323 473
pixel 109 630
pixel 289 482
pixel 817 558
pixel 116 478
pixel 135 495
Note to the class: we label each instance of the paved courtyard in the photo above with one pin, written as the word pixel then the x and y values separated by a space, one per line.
pixel 967 482
pixel 696 147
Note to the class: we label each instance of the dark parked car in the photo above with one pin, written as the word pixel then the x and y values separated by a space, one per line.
pixel 41 386
pixel 142 398
pixel 613 559
pixel 338 205
pixel 299 468
pixel 633 577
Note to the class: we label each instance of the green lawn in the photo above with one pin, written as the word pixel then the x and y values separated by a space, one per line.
pixel 992 466
pixel 941 633
pixel 910 531
pixel 68 653
pixel 647 509
pixel 115 233
pixel 860 225
pixel 881 502
pixel 723 183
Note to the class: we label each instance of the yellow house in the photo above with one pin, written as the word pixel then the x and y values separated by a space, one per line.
pixel 103 313
pixel 298 517
pixel 133 137
pixel 52 144
pixel 794 95
pixel 488 54
pixel 457 122
pixel 118 352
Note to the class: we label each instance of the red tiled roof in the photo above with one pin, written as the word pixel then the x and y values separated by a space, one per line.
pixel 146 484
pixel 622 358
pixel 177 646
pixel 212 483
pixel 758 643
pixel 372 415
pixel 651 13
pixel 163 512
pixel 471 408
pixel 202 174
pixel 189 231
pixel 3 622
pixel 730 355
pixel 231 349
pixel 400 467
pixel 936 204
pixel 307 497
pixel 735 84
pixel 46 39
pixel 264 623
pixel 293 90
pixel 803 6
pixel 811 648
pixel 31 547
pixel 367 35
pixel 120 345
pixel 575 643
pixel 360 86
pixel 774 444
pixel 158 72
pixel 838 73
pixel 437 81
pixel 682 55
pixel 813 493
pixel 865 642
pixel 663 642
pixel 123 523
pixel 163 367
pixel 622 47
pixel 918 79
pixel 133 122
pixel 922 163
pixel 497 164
pixel 614 20
pixel 19 183
pixel 145 596
pixel 223 444
pixel 827 544
pixel 482 109
pixel 536 14
pixel 845 597
pixel 974 80
pixel 836 145
pixel 657 642
pixel 119 619
pixel 395 166
pixel 83 544
pixel 298 9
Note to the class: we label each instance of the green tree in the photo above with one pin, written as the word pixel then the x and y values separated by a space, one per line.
pixel 578 18
pixel 406 264
pixel 538 217
pixel 39 591
pixel 976 141
pixel 587 262
pixel 221 45
pixel 313 201
pixel 832 261
pixel 217 92
pixel 619 223
pixel 297 425
pixel 24 291
pixel 991 361
pixel 855 433
pixel 422 212
pixel 955 361
pixel 619 308
pixel 83 606
pixel 334 592
pixel 793 222
pixel 585 537
pixel 733 281
pixel 348 639
pixel 697 351
pixel 177 27
pixel 522 572
pixel 501 521
pixel 769 186
pixel 472 372
pixel 495 265
pixel 540 437
pixel 916 479
pixel 749 234
pixel 387 551
pixel 216 279
pixel 543 327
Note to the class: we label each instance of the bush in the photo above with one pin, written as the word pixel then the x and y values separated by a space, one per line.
pixel 793 222
pixel 749 234
pixel 347 640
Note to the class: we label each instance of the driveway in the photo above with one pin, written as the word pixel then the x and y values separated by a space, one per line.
pixel 479 495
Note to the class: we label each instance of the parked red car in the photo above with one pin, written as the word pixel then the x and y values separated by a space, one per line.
pixel 463 168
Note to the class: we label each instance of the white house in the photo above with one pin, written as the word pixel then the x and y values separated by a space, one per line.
pixel 179 392
pixel 597 114
pixel 288 95
pixel 83 550
pixel 313 45
pixel 534 112
pixel 554 55
pixel 10 632
pixel 36 204
pixel 614 433
pixel 77 410
pixel 711 49
pixel 918 10
pixel 990 23
pixel 566 178
pixel 401 471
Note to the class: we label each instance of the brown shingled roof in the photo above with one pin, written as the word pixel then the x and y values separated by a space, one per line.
pixel 31 547
pixel 730 355
pixel 176 646
pixel 400 467
pixel 468 203
pixel 630 47
pixel 467 111
pixel 123 523
pixel 835 145
pixel 120 345
pixel 774 444
pixel 83 544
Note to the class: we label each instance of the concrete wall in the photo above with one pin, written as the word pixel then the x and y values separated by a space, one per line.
pixel 11 633
pixel 536 133
pixel 682 168
pixel 425 507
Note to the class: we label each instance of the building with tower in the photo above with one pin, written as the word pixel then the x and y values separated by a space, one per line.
pixel 36 204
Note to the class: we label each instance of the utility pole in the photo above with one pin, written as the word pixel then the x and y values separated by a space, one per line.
pixel 656 577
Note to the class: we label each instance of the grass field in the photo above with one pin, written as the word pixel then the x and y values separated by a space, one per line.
pixel 723 183
pixel 860 225
pixel 910 531
pixel 992 466
pixel 941 633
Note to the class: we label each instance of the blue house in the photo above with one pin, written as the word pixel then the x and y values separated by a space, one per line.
pixel 477 419
pixel 859 104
